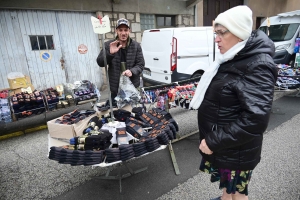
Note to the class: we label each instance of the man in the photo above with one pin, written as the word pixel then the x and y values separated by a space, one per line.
pixel 124 56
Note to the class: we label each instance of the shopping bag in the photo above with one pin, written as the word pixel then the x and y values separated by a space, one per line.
pixel 127 93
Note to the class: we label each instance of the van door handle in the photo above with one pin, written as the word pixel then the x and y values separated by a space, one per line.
pixel 155 59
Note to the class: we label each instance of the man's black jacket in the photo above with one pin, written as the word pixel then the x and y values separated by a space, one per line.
pixel 134 61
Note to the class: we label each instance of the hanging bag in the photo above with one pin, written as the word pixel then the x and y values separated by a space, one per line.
pixel 127 93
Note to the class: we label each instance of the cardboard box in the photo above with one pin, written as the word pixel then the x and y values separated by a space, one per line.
pixel 56 142
pixel 21 82
pixel 67 131
pixel 28 89
pixel 80 126
pixel 60 130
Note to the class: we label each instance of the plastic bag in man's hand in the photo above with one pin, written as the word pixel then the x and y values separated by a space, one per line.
pixel 127 93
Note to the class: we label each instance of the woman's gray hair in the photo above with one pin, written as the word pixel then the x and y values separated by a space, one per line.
pixel 217 24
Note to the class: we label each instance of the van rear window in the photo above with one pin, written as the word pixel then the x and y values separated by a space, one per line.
pixel 280 32
pixel 157 41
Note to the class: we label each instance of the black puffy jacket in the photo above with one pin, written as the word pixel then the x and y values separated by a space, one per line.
pixel 134 61
pixel 237 105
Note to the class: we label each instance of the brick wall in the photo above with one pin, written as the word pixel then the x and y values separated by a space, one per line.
pixel 135 23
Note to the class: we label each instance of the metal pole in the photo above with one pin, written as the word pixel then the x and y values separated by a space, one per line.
pixel 107 78
pixel 214 46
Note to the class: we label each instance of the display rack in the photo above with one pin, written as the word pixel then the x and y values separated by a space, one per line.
pixel 118 164
pixel 162 89
pixel 16 115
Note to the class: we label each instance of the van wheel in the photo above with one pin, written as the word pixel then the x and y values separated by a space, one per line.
pixel 197 74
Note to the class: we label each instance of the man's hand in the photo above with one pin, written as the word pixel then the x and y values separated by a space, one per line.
pixel 204 148
pixel 127 73
pixel 113 47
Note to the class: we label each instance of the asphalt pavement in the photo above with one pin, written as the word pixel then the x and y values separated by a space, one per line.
pixel 27 173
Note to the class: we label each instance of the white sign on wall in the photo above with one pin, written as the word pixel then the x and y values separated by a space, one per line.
pixel 101 25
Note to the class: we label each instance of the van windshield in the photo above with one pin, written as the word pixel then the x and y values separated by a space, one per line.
pixel 280 32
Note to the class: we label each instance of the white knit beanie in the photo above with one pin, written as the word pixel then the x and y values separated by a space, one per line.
pixel 238 20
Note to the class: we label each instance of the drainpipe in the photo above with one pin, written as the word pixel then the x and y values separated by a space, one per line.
pixel 196 15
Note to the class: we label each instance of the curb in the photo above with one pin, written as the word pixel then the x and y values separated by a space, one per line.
pixel 19 133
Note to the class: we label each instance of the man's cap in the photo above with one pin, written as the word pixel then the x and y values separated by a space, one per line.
pixel 122 21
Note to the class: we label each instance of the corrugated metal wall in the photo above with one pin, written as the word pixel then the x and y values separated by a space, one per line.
pixel 69 30
pixel 12 51
pixel 75 29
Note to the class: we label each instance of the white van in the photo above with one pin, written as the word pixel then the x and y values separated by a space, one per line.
pixel 176 54
pixel 284 29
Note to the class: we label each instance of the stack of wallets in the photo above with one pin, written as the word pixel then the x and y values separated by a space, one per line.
pixel 121 136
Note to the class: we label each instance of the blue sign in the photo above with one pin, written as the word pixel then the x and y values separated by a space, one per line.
pixel 45 56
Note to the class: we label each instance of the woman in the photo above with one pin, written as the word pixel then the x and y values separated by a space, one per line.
pixel 234 100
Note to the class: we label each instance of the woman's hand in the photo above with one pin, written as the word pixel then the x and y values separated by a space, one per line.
pixel 127 73
pixel 113 47
pixel 204 148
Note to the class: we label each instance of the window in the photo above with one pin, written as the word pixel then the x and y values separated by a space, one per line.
pixel 41 42
pixel 164 21
pixel 156 21
pixel 147 22
pixel 280 32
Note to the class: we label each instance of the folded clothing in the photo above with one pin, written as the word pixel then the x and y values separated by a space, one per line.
pixel 150 149
pixel 164 116
pixel 152 144
pixel 92 142
pixel 138 122
pixel 139 148
pixel 112 155
pixel 121 115
pixel 135 130
pixel 127 157
pixel 137 154
pixel 138 144
pixel 149 119
pixel 93 122
pixel 126 151
pixel 125 147
pixel 138 111
pixel 164 126
pixel 75 157
pixel 163 138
